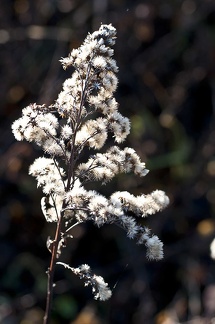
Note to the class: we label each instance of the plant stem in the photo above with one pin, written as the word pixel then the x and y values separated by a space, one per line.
pixel 51 271
pixel 54 249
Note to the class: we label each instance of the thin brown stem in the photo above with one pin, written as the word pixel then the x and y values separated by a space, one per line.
pixel 55 245
pixel 51 271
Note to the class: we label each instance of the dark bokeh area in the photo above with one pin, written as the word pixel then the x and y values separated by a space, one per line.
pixel 165 51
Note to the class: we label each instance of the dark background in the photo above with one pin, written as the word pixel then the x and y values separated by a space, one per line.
pixel 166 56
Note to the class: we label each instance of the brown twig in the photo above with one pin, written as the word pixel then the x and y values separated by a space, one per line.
pixel 51 270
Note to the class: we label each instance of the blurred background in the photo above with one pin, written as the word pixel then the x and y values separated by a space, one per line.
pixel 165 51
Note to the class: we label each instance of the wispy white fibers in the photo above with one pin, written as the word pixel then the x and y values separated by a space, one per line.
pixel 84 116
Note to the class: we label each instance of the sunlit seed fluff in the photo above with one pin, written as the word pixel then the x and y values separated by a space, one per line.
pixel 23 129
pixel 212 249
pixel 103 292
pixel 100 288
pixel 154 248
pixel 109 81
pixel 85 268
pixel 34 133
pixel 120 126
pixel 81 216
pixel 93 133
pixel 102 173
pixel 16 129
pixel 112 65
pixel 114 160
pixel 66 132
pixel 130 226
pixel 49 175
pixel 87 113
pixel 70 83
pixel 115 200
pixel 50 119
pixel 161 198
pixel 97 202
pixel 141 170
pixel 53 148
pixel 47 123
pixel 41 166
pixel 143 238
pixel 99 62
pixel 150 204
pixel 76 191
pixel 28 111
pixel 97 141
pixel 51 210
pixel 67 61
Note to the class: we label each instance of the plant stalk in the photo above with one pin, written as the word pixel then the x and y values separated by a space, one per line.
pixel 54 249
pixel 51 271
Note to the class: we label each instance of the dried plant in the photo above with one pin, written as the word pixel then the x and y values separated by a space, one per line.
pixel 83 115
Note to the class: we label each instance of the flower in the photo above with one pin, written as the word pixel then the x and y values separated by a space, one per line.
pixel 49 176
pixel 83 117
pixel 100 288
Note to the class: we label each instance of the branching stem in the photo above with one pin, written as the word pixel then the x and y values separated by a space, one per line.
pixel 54 249
pixel 51 271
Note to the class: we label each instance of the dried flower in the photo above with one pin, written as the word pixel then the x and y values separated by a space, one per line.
pixel 99 287
pixel 88 112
